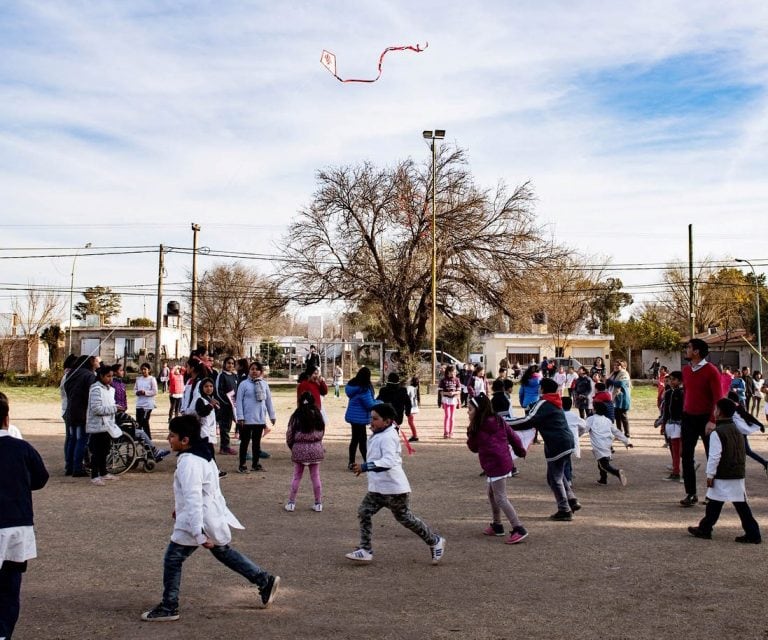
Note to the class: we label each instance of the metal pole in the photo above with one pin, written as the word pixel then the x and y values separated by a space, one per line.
pixel 691 312
pixel 434 266
pixel 71 296
pixel 757 312
pixel 159 315
pixel 193 313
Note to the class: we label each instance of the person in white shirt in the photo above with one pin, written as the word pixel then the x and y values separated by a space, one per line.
pixel 388 487
pixel 560 377
pixel 146 390
pixel 22 471
pixel 725 476
pixel 601 434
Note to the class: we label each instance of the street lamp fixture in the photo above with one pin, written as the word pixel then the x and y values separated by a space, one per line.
pixel 757 312
pixel 431 136
pixel 71 295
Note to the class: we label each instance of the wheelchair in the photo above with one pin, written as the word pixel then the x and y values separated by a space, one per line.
pixel 127 451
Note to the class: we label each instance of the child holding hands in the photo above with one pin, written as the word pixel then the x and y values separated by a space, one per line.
pixel 490 437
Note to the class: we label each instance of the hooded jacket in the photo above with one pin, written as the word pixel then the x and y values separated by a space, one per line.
pixel 77 387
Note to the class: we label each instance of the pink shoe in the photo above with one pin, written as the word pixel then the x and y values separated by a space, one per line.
pixel 494 529
pixel 518 535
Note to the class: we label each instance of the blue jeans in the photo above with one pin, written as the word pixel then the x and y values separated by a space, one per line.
pixel 76 443
pixel 176 554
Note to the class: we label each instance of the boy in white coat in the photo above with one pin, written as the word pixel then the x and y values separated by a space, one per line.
pixel 601 434
pixel 202 519
pixel 388 487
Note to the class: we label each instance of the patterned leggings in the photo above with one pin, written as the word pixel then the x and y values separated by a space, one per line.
pixel 399 506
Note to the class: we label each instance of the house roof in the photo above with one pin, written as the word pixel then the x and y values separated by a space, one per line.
pixel 735 336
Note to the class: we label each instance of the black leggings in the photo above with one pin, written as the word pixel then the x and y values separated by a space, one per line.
pixel 99 445
pixel 246 432
pixel 175 407
pixel 358 440
pixel 142 417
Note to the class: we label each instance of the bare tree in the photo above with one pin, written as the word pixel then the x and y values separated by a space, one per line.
pixel 35 312
pixel 366 239
pixel 235 302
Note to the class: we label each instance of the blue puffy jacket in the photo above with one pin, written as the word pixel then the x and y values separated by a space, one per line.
pixel 361 401
pixel 529 392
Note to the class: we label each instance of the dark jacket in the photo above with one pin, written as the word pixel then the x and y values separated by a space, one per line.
pixel 77 387
pixel 491 442
pixel 21 472
pixel 397 396
pixel 553 427
pixel 672 406
pixel 732 465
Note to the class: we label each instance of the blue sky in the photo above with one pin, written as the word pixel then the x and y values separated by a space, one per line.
pixel 122 122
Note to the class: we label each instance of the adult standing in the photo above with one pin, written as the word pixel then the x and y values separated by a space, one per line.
pixel 254 404
pixel 77 387
pixel 654 369
pixel 621 387
pixel 312 359
pixel 359 390
pixel 146 390
pixel 758 384
pixel 702 384
pixel 226 391
pixel 464 377
pixel 749 387
pixel 21 472
pixel 583 390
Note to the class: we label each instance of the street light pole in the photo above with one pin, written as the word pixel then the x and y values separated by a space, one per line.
pixel 71 296
pixel 757 312
pixel 437 134
pixel 193 314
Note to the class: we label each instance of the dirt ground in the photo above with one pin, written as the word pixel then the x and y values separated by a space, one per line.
pixel 624 568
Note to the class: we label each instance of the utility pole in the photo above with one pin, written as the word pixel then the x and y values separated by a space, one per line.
pixel 159 316
pixel 691 290
pixel 193 314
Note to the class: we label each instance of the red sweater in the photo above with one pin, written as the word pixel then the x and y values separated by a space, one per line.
pixel 317 389
pixel 702 390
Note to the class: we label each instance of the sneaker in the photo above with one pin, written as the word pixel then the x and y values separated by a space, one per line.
pixel 228 451
pixel 413 439
pixel 438 550
pixel 602 482
pixel 360 555
pixel 669 467
pixel 672 477
pixel 162 453
pixel 99 482
pixel 698 533
pixel 564 516
pixel 518 535
pixel 269 592
pixel 689 501
pixel 160 614
pixel 110 476
pixel 748 540
pixel 622 478
pixel 258 467
pixel 243 470
pixel 290 506
pixel 574 504
pixel 264 455
pixel 318 506
pixel 222 474
pixel 514 473
pixel 494 529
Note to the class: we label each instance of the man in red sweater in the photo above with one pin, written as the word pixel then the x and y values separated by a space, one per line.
pixel 701 381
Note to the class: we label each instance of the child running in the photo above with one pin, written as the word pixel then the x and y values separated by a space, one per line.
pixel 304 438
pixel 490 437
pixel 601 434
pixel 388 487
pixel 201 519
pixel 547 416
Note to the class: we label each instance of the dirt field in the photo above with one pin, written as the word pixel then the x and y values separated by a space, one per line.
pixel 624 568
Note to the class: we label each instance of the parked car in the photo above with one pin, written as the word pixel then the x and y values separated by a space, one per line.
pixel 392 361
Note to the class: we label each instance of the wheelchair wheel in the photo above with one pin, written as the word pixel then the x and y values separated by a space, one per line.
pixel 122 455
pixel 149 465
